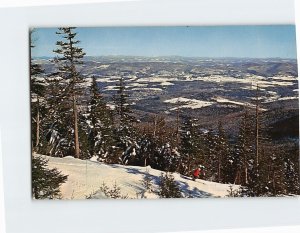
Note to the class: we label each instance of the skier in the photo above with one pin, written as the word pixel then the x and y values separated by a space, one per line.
pixel 197 172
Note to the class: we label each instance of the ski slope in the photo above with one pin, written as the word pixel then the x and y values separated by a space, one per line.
pixel 86 176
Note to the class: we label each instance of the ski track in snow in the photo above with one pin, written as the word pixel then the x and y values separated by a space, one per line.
pixel 85 178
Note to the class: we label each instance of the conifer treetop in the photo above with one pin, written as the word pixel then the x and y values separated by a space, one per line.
pixel 66 49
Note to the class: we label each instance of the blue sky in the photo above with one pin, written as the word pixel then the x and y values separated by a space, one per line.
pixel 210 41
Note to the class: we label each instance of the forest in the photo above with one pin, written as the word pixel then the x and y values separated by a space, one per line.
pixel 70 117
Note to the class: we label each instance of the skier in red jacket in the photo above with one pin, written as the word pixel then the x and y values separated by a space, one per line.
pixel 197 172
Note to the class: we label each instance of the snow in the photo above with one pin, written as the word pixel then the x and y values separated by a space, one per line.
pixel 188 103
pixel 288 98
pixel 85 177
pixel 157 79
pixel 111 106
pixel 111 88
pixel 111 79
pixel 138 85
pixel 285 78
pixel 103 66
pixel 251 80
pixel 224 100
pixel 146 89
pixel 166 84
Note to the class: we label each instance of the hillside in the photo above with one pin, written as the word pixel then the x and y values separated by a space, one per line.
pixel 85 178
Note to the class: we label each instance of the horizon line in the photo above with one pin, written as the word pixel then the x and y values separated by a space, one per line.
pixel 174 56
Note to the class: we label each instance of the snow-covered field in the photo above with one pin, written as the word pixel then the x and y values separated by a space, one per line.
pixel 85 178
pixel 188 103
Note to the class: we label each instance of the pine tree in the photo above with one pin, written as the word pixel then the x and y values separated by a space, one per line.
pixel 58 135
pixel 263 165
pixel 101 125
pixel 45 181
pixel 168 187
pixel 156 145
pixel 189 149
pixel 124 119
pixel 211 155
pixel 229 167
pixel 37 88
pixel 245 150
pixel 290 165
pixel 223 155
pixel 145 149
pixel 69 55
pixel 168 158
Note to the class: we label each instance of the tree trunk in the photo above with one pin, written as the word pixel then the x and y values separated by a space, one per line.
pixel 257 128
pixel 274 182
pixel 246 175
pixel 219 168
pixel 37 124
pixel 237 179
pixel 177 125
pixel 77 150
pixel 155 125
pixel 245 168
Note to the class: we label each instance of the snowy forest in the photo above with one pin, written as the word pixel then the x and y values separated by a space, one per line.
pixel 87 144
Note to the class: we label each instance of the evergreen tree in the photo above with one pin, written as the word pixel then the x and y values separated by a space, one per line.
pixel 223 156
pixel 37 88
pixel 101 126
pixel 124 132
pixel 245 150
pixel 59 133
pixel 45 181
pixel 145 149
pixel 211 155
pixel 263 164
pixel 189 149
pixel 168 187
pixel 168 158
pixel 290 167
pixel 162 152
pixel 69 55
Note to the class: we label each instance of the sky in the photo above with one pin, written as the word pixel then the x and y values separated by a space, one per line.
pixel 210 41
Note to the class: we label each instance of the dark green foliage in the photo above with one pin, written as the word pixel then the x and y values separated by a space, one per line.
pixel 69 53
pixel 114 192
pixel 123 111
pixel 237 192
pixel 189 146
pixel 68 56
pixel 35 69
pixel 101 125
pixel 168 158
pixel 124 133
pixel 145 150
pixel 218 156
pixel 245 150
pixel 147 182
pixel 211 155
pixel 291 170
pixel 225 169
pixel 58 136
pixel 37 89
pixel 45 181
pixel 168 188
pixel 84 141
pixel 154 145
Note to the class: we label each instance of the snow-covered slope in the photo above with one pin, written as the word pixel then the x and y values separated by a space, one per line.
pixel 86 177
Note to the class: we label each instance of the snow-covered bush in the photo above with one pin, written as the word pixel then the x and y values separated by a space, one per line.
pixel 168 188
pixel 45 181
